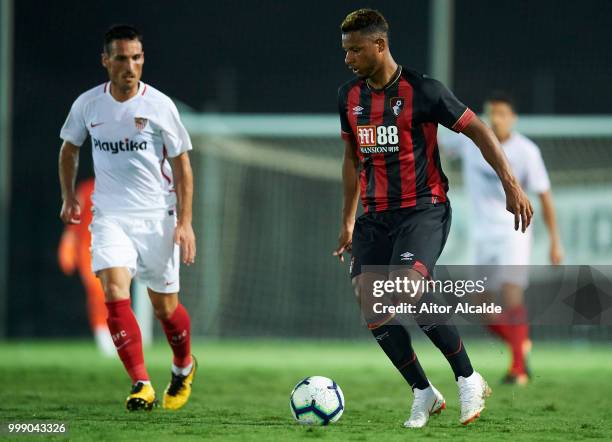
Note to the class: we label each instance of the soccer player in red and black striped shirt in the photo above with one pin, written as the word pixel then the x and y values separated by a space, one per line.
pixel 389 116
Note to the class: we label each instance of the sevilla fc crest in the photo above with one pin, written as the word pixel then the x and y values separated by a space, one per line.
pixel 140 123
pixel 397 104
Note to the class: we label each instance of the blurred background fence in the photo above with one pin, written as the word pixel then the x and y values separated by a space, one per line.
pixel 268 207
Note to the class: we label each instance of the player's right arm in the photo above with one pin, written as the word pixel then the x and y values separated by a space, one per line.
pixel 74 132
pixel 516 200
pixel 350 182
pixel 68 166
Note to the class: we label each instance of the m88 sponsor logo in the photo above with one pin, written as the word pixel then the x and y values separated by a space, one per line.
pixel 378 139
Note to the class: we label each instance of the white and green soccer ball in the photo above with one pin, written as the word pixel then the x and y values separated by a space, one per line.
pixel 317 400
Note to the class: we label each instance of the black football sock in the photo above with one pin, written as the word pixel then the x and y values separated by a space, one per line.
pixel 395 341
pixel 446 338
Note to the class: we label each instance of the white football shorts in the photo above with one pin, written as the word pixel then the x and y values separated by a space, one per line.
pixel 505 259
pixel 145 246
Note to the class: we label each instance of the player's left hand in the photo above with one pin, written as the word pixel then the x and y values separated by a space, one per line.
pixel 345 242
pixel 519 205
pixel 185 238
pixel 556 253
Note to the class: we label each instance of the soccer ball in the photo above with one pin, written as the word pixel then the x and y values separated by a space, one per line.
pixel 317 400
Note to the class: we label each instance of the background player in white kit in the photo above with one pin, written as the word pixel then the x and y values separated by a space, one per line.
pixel 135 134
pixel 495 244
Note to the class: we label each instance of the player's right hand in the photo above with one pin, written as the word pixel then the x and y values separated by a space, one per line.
pixel 519 205
pixel 345 242
pixel 71 211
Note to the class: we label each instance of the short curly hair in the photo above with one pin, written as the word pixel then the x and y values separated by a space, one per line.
pixel 368 21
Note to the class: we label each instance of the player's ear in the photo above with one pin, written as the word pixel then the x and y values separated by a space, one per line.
pixel 104 59
pixel 382 44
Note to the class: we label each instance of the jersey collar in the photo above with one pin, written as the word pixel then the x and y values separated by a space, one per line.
pixel 142 88
pixel 394 78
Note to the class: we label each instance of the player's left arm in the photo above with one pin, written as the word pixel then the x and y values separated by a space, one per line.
pixel 550 219
pixel 516 200
pixel 183 184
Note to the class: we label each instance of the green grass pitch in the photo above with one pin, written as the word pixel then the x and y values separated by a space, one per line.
pixel 241 392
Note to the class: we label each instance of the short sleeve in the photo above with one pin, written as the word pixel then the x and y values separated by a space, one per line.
pixel 74 129
pixel 175 136
pixel 345 126
pixel 444 107
pixel 537 176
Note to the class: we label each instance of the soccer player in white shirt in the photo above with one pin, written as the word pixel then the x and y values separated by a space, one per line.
pixel 495 244
pixel 142 170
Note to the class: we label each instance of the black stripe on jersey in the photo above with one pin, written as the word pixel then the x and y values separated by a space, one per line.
pixel 420 148
pixel 420 161
pixel 392 163
pixel 365 101
pixel 438 163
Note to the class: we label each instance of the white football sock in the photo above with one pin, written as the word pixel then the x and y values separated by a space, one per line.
pixel 183 371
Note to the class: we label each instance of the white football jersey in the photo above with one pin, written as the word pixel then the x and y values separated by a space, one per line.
pixel 489 217
pixel 131 142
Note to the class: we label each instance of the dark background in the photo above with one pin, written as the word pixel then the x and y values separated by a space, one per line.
pixel 247 56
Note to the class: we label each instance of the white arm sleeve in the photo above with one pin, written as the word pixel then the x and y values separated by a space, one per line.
pixel 176 138
pixel 74 129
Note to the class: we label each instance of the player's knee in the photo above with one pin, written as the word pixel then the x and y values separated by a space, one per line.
pixel 115 292
pixel 164 311
pixel 364 286
pixel 409 283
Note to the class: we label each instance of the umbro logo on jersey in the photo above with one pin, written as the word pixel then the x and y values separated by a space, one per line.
pixel 357 110
pixel 95 124
pixel 397 104
pixel 407 256
pixel 115 147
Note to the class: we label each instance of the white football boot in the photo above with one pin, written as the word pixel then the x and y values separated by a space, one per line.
pixel 472 393
pixel 426 402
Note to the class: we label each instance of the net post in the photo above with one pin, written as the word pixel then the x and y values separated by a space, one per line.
pixel 6 63
pixel 441 30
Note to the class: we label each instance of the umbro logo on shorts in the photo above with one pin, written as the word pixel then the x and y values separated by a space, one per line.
pixel 407 256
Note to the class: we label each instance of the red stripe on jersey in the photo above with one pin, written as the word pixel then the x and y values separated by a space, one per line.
pixel 381 181
pixel 406 154
pixel 434 180
pixel 352 101
pixel 144 89
pixel 161 166
pixel 463 120
pixel 105 86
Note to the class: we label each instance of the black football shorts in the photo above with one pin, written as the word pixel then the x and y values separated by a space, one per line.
pixel 412 237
